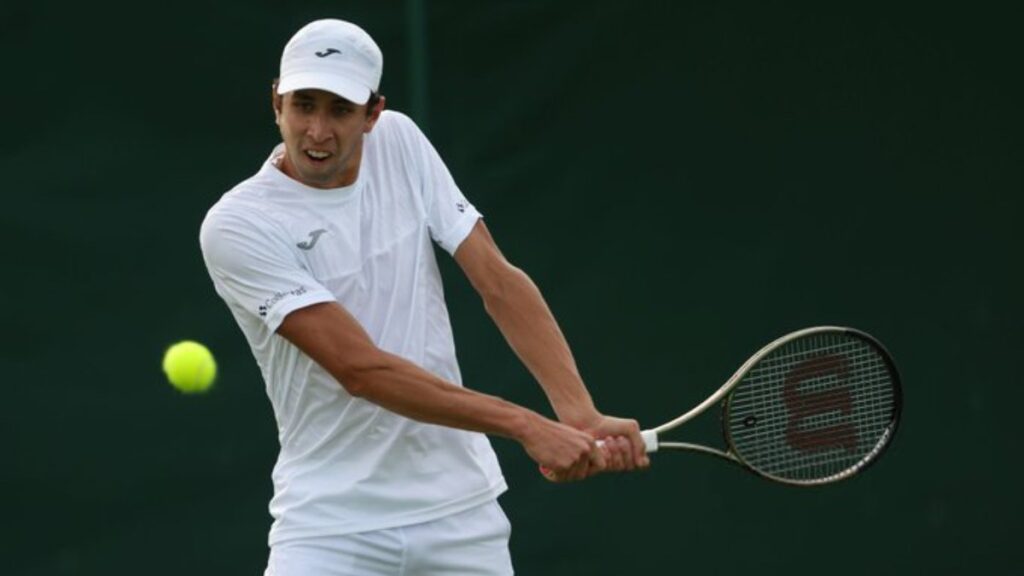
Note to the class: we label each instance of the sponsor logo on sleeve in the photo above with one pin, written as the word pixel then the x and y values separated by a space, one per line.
pixel 277 297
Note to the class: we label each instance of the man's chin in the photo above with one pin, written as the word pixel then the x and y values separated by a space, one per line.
pixel 320 177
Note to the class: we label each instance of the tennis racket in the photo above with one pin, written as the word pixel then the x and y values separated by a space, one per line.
pixel 815 406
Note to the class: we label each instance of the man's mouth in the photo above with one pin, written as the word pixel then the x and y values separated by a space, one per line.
pixel 317 155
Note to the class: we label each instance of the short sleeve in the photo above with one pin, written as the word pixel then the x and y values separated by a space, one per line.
pixel 450 216
pixel 253 269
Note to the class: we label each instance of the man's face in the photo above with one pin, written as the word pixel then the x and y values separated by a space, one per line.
pixel 323 136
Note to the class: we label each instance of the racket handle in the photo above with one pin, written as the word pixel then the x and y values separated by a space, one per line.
pixel 650 438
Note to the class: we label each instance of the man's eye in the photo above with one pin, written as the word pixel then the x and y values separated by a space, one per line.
pixel 342 111
pixel 304 106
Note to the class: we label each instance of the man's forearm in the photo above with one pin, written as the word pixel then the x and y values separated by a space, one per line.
pixel 407 389
pixel 522 315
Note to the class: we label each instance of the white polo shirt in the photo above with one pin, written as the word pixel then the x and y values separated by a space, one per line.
pixel 272 246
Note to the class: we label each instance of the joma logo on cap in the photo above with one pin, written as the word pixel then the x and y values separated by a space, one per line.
pixel 328 52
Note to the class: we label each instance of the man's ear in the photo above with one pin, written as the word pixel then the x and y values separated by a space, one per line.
pixel 276 101
pixel 374 115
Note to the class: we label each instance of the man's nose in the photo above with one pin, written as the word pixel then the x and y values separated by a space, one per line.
pixel 318 129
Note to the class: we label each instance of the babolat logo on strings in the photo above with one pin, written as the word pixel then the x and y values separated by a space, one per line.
pixel 328 52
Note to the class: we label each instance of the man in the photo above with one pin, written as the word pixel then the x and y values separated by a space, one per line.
pixel 325 259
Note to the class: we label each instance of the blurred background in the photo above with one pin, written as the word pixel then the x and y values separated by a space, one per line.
pixel 685 182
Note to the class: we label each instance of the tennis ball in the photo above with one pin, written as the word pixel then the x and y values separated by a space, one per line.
pixel 190 367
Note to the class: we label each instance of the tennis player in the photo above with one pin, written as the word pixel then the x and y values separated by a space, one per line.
pixel 325 258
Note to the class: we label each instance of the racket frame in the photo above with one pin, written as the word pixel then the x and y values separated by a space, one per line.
pixel 653 443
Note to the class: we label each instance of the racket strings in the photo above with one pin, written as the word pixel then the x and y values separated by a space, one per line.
pixel 818 407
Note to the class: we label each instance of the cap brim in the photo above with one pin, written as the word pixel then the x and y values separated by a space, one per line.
pixel 347 89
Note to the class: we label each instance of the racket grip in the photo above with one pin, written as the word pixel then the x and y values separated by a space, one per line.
pixel 650 438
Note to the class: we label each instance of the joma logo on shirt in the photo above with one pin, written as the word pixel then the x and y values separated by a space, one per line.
pixel 313 237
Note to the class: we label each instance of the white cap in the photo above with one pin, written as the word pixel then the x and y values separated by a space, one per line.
pixel 332 55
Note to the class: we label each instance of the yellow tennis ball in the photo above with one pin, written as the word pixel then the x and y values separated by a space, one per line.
pixel 190 367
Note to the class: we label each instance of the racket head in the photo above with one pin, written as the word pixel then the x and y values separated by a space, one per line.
pixel 814 407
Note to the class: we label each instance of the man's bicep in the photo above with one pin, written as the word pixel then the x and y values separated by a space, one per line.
pixel 331 336
pixel 481 259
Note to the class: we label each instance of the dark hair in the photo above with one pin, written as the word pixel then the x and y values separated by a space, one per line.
pixel 372 102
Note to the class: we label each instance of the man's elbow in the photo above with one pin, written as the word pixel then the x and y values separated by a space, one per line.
pixel 359 378
pixel 356 387
pixel 503 285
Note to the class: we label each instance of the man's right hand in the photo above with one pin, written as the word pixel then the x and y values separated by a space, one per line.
pixel 565 453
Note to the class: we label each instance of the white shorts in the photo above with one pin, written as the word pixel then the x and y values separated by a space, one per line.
pixel 474 542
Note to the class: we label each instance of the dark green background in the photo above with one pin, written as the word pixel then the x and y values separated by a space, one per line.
pixel 684 182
